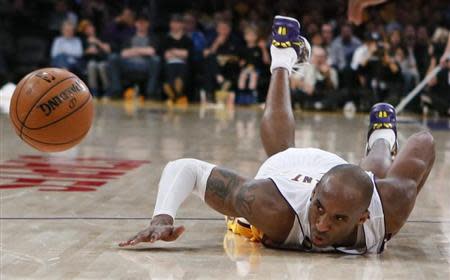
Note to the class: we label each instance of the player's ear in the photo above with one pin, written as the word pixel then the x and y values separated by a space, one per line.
pixel 364 217
pixel 312 194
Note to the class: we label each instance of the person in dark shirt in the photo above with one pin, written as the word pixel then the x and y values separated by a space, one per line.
pixel 120 30
pixel 252 59
pixel 177 48
pixel 221 60
pixel 138 60
pixel 95 56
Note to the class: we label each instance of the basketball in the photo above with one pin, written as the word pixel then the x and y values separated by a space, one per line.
pixel 51 109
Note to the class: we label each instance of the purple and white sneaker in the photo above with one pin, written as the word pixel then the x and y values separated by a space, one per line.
pixel 383 116
pixel 285 35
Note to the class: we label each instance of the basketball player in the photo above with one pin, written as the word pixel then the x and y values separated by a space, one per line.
pixel 305 199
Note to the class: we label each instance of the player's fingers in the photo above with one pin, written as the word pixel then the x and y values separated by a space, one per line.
pixel 176 232
pixel 154 237
pixel 128 242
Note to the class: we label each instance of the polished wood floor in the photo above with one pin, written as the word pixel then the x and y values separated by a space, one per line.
pixel 62 215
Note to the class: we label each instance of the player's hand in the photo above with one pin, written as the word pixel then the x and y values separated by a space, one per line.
pixel 161 228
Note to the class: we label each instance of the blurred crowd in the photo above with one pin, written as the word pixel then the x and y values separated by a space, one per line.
pixel 218 51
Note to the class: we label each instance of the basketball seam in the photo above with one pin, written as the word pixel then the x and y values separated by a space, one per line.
pixel 39 99
pixel 58 120
pixel 49 143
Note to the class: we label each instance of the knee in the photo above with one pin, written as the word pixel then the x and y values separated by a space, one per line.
pixel 92 65
pixel 424 139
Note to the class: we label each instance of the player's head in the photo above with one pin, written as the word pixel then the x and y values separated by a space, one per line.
pixel 339 203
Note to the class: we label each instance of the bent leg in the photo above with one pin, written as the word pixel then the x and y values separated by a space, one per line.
pixel 278 123
pixel 405 179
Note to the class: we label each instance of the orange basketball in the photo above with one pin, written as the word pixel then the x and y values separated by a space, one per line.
pixel 51 109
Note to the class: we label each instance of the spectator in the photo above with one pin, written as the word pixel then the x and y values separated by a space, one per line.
pixel 221 61
pixel 405 60
pixel 60 14
pixel 438 96
pixel 67 49
pixel 343 47
pixel 327 37
pixel 118 32
pixel 198 45
pixel 419 48
pixel 319 83
pixel 439 46
pixel 252 59
pixel 95 56
pixel 378 73
pixel 446 55
pixel 317 40
pixel 196 35
pixel 137 60
pixel 177 48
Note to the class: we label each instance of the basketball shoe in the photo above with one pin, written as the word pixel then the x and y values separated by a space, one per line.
pixel 383 124
pixel 289 49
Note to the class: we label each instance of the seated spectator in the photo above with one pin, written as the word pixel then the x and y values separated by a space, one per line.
pixel 406 61
pixel 328 37
pixel 378 73
pixel 119 31
pixel 446 55
pixel 317 85
pixel 221 61
pixel 198 45
pixel 67 50
pixel 138 61
pixel 253 58
pixel 438 97
pixel 177 48
pixel 317 40
pixel 341 53
pixel 343 47
pixel 95 57
pixel 60 14
pixel 196 35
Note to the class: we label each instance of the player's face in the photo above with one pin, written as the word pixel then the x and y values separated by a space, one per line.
pixel 331 222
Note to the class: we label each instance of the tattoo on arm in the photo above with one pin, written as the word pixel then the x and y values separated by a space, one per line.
pixel 222 192
pixel 221 186
pixel 244 201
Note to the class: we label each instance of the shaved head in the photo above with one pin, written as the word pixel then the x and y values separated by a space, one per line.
pixel 350 184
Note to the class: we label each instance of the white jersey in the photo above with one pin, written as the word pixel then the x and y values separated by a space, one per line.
pixel 296 172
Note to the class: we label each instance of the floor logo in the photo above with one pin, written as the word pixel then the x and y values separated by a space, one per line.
pixel 63 174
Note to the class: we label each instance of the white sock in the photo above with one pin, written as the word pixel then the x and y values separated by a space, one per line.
pixel 386 134
pixel 283 58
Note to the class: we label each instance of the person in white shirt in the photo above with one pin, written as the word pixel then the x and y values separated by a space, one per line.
pixel 67 49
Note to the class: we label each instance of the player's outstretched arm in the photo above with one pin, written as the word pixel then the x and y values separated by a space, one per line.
pixel 223 190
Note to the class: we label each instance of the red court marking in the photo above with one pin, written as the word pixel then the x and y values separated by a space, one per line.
pixel 63 174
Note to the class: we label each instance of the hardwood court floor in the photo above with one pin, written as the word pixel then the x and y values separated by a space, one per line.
pixel 62 215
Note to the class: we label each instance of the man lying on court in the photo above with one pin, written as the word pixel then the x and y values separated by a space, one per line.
pixel 305 199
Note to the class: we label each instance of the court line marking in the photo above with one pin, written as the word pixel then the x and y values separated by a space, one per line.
pixel 180 219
